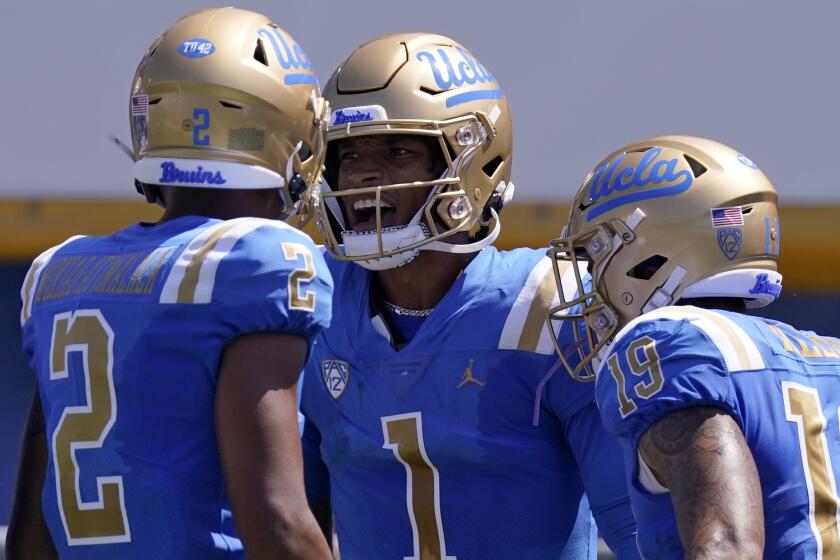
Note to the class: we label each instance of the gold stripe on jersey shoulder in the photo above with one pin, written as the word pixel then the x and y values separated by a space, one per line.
pixel 29 287
pixel 30 282
pixel 729 330
pixel 535 318
pixel 189 283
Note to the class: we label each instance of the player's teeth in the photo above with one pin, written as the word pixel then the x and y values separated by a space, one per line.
pixel 369 203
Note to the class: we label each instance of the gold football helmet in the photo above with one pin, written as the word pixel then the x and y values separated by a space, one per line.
pixel 227 99
pixel 429 85
pixel 660 220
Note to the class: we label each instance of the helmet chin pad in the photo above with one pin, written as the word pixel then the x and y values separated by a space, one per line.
pixel 394 238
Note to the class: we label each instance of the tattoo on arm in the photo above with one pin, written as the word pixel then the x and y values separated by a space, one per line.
pixel 702 457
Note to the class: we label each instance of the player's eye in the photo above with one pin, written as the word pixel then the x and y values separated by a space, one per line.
pixel 400 152
pixel 347 156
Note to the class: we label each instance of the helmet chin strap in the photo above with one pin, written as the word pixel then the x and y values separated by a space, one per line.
pixel 401 236
pixel 474 247
pixel 505 191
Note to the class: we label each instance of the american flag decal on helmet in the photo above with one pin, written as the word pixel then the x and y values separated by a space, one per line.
pixel 139 105
pixel 727 217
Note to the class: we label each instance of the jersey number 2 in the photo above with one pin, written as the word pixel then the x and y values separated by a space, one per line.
pixel 404 436
pixel 86 427
pixel 802 407
pixel 299 298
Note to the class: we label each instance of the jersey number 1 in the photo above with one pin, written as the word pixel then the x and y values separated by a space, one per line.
pixel 85 427
pixel 404 436
pixel 802 407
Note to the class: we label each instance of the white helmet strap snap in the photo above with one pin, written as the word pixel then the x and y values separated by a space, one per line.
pixel 664 295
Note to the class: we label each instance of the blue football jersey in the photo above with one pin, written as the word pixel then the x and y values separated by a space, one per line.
pixel 464 443
pixel 125 334
pixel 782 387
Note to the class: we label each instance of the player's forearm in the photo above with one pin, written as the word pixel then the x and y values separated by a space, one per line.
pixel 701 456
pixel 24 545
pixel 260 448
pixel 289 534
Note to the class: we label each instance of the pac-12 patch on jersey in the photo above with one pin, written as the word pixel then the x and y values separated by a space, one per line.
pixel 335 374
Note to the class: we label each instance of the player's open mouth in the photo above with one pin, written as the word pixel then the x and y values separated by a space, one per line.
pixel 364 214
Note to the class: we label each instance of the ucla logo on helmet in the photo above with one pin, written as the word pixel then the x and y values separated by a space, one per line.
pixel 291 57
pixel 651 177
pixel 196 48
pixel 335 374
pixel 453 68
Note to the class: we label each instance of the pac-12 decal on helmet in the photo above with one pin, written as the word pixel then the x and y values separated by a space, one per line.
pixel 729 241
pixel 649 246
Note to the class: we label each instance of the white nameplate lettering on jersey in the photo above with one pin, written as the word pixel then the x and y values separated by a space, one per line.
pixel 335 374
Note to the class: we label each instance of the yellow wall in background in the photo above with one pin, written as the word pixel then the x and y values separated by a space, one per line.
pixel 810 235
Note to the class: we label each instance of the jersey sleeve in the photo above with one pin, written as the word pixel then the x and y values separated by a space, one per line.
pixel 274 279
pixel 564 396
pixel 599 459
pixel 657 367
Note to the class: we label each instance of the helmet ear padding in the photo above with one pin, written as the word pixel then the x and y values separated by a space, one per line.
pixel 297 186
pixel 152 193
